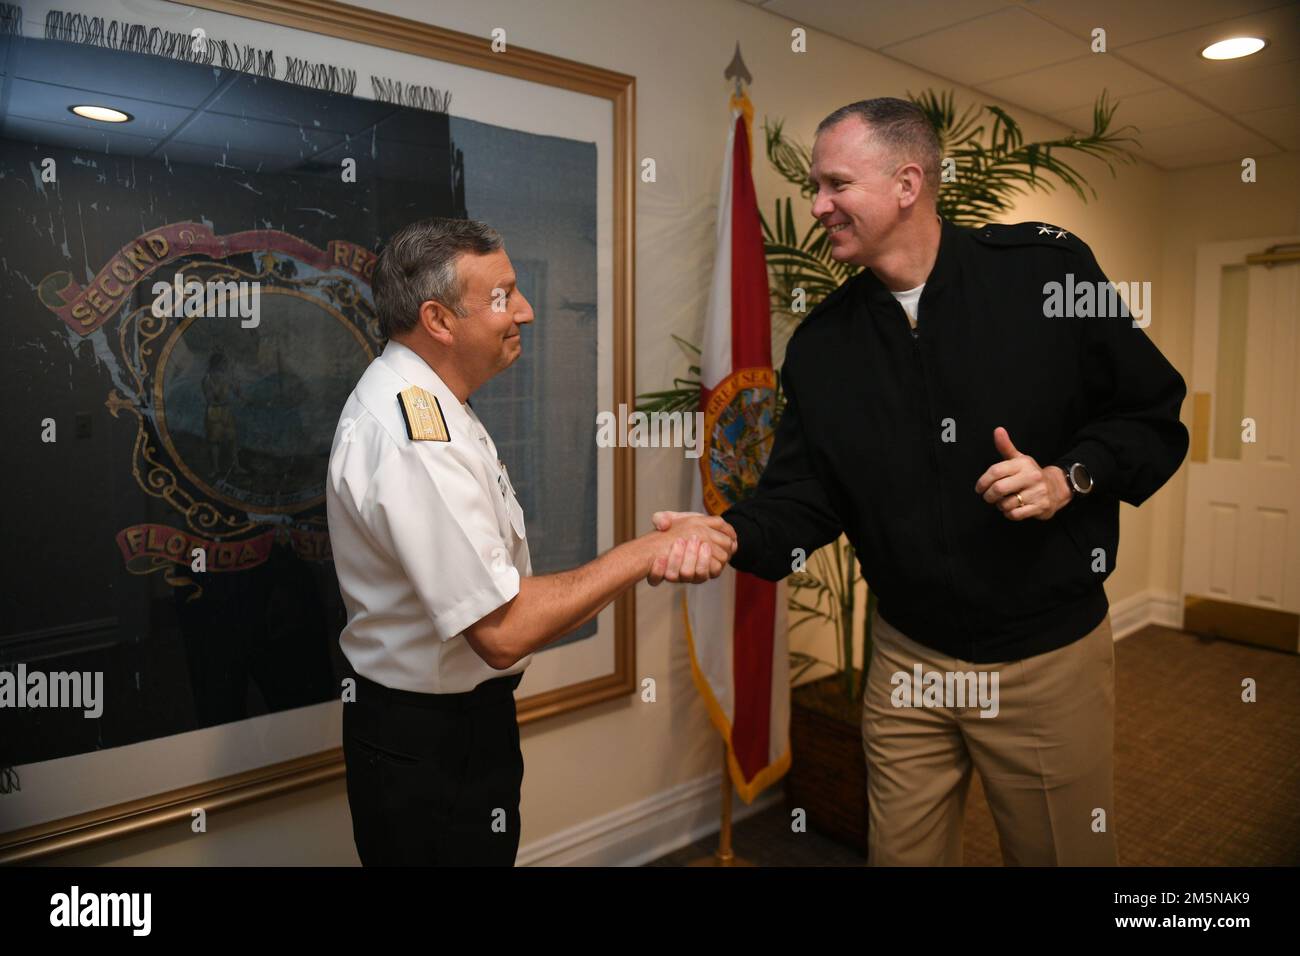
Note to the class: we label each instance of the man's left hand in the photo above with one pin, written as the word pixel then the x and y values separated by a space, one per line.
pixel 1018 487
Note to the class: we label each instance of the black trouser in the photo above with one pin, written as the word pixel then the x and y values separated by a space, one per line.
pixel 433 779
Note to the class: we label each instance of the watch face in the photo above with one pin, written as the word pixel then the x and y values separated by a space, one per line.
pixel 1080 478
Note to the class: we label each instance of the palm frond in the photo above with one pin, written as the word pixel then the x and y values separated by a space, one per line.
pixel 788 157
pixel 995 167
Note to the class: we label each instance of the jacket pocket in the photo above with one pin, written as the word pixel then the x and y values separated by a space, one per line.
pixel 1051 567
pixel 385 753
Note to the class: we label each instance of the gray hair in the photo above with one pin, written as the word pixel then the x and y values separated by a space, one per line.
pixel 418 263
pixel 900 127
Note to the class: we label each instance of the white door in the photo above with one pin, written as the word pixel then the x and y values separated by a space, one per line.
pixel 1241 552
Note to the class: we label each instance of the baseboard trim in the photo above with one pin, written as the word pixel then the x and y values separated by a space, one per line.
pixel 1146 607
pixel 643 831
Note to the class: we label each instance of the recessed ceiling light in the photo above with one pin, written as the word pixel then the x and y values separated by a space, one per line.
pixel 104 114
pixel 1233 48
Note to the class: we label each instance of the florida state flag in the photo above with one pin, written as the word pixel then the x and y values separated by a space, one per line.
pixel 735 625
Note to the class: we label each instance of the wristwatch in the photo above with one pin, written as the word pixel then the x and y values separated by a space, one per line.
pixel 1079 478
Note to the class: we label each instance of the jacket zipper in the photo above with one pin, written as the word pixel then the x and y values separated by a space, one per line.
pixel 934 456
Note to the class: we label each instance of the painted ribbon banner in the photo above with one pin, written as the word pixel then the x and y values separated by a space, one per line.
pixel 86 308
pixel 140 544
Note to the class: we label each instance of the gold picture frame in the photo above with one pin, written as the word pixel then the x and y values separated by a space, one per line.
pixel 389 32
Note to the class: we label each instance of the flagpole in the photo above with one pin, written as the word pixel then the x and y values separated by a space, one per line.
pixel 724 855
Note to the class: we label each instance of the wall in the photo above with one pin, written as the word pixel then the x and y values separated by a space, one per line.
pixel 605 759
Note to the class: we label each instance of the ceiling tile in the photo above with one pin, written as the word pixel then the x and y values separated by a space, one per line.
pixel 1077 82
pixel 1127 22
pixel 1218 138
pixel 1281 125
pixel 875 25
pixel 989 47
pixel 1266 87
pixel 1177 58
pixel 1158 109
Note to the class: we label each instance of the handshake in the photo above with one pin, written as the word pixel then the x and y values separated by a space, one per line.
pixel 688 547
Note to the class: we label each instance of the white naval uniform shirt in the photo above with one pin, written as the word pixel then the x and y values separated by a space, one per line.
pixel 427 536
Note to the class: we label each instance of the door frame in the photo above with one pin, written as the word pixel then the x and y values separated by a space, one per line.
pixel 1210 259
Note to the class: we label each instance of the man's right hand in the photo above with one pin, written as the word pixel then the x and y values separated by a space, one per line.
pixel 692 561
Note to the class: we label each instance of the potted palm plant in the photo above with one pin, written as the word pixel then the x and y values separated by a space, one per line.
pixel 991 165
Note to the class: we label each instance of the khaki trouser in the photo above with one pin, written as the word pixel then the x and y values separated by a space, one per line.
pixel 1046 759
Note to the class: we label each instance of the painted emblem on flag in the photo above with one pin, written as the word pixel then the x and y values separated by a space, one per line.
pixel 234 422
pixel 738 434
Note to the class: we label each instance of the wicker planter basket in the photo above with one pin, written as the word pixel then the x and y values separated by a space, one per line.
pixel 828 772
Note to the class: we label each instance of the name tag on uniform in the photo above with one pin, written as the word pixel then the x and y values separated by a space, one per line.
pixel 513 509
pixel 503 479
pixel 423 415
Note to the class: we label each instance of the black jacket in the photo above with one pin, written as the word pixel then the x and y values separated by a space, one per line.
pixel 860 447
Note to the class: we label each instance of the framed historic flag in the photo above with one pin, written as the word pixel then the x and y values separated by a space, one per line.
pixel 195 194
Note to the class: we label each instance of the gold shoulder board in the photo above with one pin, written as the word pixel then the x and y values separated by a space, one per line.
pixel 424 421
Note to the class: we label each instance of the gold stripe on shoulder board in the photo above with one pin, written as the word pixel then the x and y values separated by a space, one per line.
pixel 424 421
